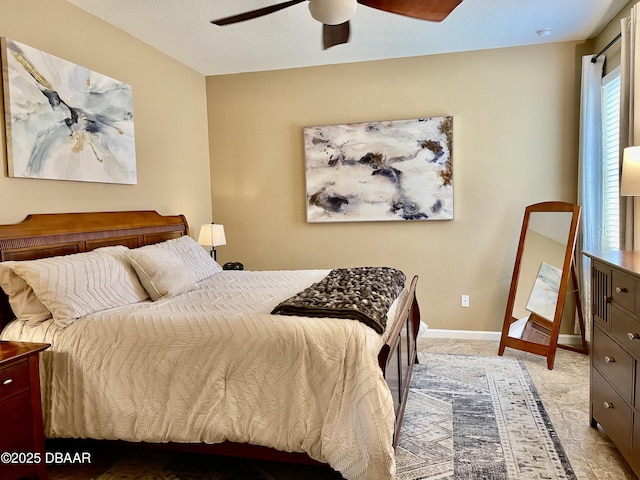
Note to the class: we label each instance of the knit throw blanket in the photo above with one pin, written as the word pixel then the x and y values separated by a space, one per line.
pixel 364 294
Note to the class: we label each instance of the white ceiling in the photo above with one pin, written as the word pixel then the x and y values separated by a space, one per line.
pixel 291 38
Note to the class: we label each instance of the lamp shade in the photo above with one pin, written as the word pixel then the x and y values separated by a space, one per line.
pixel 630 181
pixel 332 12
pixel 212 235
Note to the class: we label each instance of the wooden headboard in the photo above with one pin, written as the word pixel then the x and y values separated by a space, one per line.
pixel 51 234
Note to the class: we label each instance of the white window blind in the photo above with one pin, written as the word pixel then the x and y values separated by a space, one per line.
pixel 611 160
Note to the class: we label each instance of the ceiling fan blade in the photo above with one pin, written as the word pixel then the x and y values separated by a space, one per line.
pixel 335 34
pixel 255 13
pixel 432 10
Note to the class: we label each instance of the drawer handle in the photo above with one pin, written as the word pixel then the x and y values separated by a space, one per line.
pixel 621 290
pixel 609 359
pixel 633 336
pixel 8 381
pixel 608 405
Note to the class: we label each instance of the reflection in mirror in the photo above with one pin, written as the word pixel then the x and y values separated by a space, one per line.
pixel 539 295
pixel 541 262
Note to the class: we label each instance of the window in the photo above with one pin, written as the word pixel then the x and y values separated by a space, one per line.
pixel 611 160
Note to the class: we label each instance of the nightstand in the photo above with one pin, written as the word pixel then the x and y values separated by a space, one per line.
pixel 22 432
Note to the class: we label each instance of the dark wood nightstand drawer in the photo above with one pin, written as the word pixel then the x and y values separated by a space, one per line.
pixel 613 363
pixel 623 290
pixel 610 411
pixel 16 434
pixel 14 379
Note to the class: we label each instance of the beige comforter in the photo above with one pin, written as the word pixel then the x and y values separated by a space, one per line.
pixel 213 365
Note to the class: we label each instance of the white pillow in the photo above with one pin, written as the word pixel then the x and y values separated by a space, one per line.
pixel 161 272
pixel 72 286
pixel 24 303
pixel 197 260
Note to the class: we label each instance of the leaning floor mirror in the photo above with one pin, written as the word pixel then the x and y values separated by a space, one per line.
pixel 544 286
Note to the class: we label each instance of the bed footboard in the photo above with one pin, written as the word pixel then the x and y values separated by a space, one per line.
pixel 399 354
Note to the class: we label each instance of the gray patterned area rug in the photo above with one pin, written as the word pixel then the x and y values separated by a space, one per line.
pixel 477 417
pixel 468 417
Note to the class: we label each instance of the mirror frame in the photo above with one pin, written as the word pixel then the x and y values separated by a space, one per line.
pixel 568 273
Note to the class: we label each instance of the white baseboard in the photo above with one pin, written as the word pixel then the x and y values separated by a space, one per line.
pixel 484 335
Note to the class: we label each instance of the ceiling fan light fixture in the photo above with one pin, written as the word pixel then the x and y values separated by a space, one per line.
pixel 332 12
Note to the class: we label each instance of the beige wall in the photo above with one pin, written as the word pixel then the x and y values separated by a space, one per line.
pixel 170 119
pixel 515 143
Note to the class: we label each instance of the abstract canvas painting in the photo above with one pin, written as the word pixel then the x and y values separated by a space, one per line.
pixel 400 170
pixel 64 121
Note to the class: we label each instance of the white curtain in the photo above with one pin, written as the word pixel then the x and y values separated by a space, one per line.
pixel 629 123
pixel 590 182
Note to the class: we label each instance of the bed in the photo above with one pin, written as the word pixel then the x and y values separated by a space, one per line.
pixel 345 385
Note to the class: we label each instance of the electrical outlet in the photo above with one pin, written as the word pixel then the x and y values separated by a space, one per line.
pixel 464 301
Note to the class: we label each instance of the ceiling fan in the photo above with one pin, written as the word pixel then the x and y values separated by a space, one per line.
pixel 335 14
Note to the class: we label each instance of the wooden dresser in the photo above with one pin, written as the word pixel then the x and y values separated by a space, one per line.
pixel 615 358
pixel 21 430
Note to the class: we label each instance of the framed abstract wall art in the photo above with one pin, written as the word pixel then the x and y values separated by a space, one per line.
pixel 399 170
pixel 64 121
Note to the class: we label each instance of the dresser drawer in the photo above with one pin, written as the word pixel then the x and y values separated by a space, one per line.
pixel 634 459
pixel 614 363
pixel 623 290
pixel 610 411
pixel 625 330
pixel 14 379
